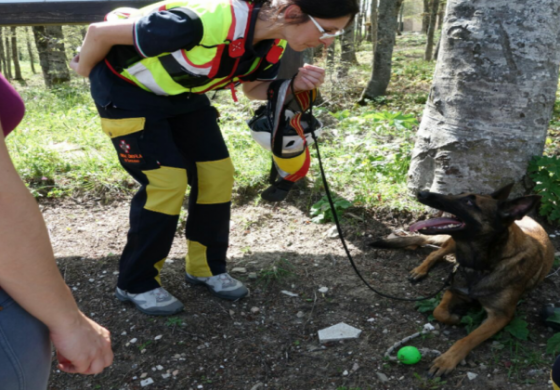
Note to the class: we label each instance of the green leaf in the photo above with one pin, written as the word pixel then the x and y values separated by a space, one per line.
pixel 554 318
pixel 553 344
pixel 518 329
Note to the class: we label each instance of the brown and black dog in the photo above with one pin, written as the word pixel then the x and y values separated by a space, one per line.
pixel 501 253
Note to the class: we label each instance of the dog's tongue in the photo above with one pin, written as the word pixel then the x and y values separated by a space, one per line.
pixel 431 223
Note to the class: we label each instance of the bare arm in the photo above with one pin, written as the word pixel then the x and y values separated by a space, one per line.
pixel 99 40
pixel 30 275
pixel 255 90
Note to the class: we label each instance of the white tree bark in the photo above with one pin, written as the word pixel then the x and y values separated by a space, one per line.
pixel 492 95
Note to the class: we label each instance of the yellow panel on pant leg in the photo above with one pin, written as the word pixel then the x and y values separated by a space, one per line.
pixel 119 127
pixel 158 266
pixel 196 261
pixel 290 165
pixel 215 181
pixel 166 190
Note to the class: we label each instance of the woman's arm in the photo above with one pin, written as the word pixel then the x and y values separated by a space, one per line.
pixel 99 40
pixel 29 274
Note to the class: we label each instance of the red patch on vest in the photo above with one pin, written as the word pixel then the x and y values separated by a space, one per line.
pixel 274 54
pixel 237 48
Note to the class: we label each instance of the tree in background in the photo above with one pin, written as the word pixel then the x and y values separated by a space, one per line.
pixel 425 16
pixel 15 55
pixel 2 54
pixel 491 98
pixel 7 62
pixel 434 6
pixel 52 56
pixel 387 21
pixel 347 50
pixel 30 51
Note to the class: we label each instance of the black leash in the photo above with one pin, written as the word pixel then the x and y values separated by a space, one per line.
pixel 336 221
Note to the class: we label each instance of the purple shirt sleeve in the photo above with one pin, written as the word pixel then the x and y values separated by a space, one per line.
pixel 11 106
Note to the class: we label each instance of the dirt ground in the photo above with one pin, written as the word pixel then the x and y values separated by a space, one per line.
pixel 270 339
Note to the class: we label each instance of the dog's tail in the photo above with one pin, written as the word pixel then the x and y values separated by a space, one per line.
pixel 408 242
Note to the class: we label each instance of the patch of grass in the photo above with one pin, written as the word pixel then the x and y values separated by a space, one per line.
pixel 278 272
pixel 428 306
pixel 174 321
pixel 322 212
pixel 429 383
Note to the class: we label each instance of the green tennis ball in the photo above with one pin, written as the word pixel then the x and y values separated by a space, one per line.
pixel 409 355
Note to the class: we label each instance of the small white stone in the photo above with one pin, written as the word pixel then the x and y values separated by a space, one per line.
pixel 116 273
pixel 146 382
pixel 428 327
pixel 255 310
pixel 159 367
pixel 165 376
pixel 300 314
pixel 175 373
pixel 158 337
pixel 239 270
pixel 288 293
pixel 143 375
pixel 552 235
pixel 371 320
pixel 92 280
pixel 133 341
pixel 123 333
pixel 323 290
pixel 471 375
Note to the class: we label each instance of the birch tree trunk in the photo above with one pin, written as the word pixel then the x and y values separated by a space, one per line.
pixel 492 96
pixel 387 21
pixel 52 56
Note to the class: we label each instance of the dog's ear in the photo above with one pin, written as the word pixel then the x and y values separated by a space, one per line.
pixel 502 193
pixel 519 207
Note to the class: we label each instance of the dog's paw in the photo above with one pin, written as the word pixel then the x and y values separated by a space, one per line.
pixel 443 365
pixel 417 274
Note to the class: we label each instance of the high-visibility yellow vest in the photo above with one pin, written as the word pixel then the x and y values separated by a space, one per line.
pixel 225 24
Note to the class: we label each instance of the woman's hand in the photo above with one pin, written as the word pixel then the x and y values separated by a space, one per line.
pixel 83 347
pixel 309 77
pixel 75 65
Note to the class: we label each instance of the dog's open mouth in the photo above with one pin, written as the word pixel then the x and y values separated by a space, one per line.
pixel 440 225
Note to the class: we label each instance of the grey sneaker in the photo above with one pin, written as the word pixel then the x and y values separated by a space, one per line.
pixel 222 286
pixel 156 302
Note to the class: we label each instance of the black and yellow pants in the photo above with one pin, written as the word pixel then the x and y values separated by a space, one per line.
pixel 165 149
pixel 555 374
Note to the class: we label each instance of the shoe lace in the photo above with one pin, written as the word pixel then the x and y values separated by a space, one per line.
pixel 161 295
pixel 226 280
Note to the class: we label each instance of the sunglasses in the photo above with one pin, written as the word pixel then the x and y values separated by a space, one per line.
pixel 325 35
